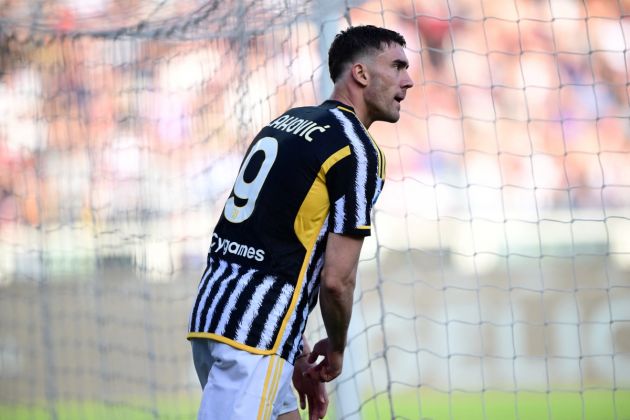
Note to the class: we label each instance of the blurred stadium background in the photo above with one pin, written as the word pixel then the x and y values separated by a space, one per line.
pixel 496 285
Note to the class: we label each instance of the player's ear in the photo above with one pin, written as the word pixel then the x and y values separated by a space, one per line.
pixel 359 73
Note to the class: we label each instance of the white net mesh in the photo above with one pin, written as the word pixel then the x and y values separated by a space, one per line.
pixel 495 285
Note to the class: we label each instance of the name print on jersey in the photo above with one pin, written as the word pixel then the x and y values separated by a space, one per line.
pixel 226 246
pixel 298 126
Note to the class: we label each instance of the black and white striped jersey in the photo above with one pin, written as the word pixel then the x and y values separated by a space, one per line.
pixel 311 171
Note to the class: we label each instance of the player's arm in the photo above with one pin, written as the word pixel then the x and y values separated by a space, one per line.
pixel 338 279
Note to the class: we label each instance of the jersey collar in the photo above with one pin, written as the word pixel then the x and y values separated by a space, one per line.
pixel 331 103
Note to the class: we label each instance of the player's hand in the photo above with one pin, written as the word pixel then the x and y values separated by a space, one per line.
pixel 330 367
pixel 310 390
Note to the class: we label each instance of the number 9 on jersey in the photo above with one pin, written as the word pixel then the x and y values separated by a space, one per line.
pixel 249 190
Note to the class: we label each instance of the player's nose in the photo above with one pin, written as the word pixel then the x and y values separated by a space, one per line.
pixel 406 82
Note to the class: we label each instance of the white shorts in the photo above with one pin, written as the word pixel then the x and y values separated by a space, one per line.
pixel 238 385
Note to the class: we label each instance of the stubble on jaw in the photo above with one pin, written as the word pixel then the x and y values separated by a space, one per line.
pixel 382 108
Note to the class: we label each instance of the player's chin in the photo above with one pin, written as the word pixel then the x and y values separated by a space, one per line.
pixel 392 116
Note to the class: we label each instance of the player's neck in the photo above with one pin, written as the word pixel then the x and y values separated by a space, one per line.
pixel 345 96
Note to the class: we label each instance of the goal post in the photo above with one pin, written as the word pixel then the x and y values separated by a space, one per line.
pixel 495 284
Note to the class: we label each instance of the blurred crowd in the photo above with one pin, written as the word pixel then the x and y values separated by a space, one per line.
pixel 525 97
pixel 517 97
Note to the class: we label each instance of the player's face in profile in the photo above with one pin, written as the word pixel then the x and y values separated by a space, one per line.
pixel 388 84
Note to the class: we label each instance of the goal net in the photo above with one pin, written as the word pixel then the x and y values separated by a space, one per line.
pixel 495 284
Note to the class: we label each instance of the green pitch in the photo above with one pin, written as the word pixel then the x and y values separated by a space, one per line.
pixel 595 405
pixel 494 405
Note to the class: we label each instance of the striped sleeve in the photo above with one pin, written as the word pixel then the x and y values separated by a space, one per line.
pixel 352 183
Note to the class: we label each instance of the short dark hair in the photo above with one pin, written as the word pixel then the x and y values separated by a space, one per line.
pixel 355 41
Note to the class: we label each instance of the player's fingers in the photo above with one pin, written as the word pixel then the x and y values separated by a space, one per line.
pixel 324 397
pixel 312 409
pixel 320 409
pixel 312 357
pixel 321 413
pixel 322 372
pixel 301 395
pixel 323 400
pixel 328 373
pixel 317 373
pixel 310 373
pixel 315 353
pixel 324 409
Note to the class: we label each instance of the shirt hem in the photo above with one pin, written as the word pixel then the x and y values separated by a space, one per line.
pixel 230 342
